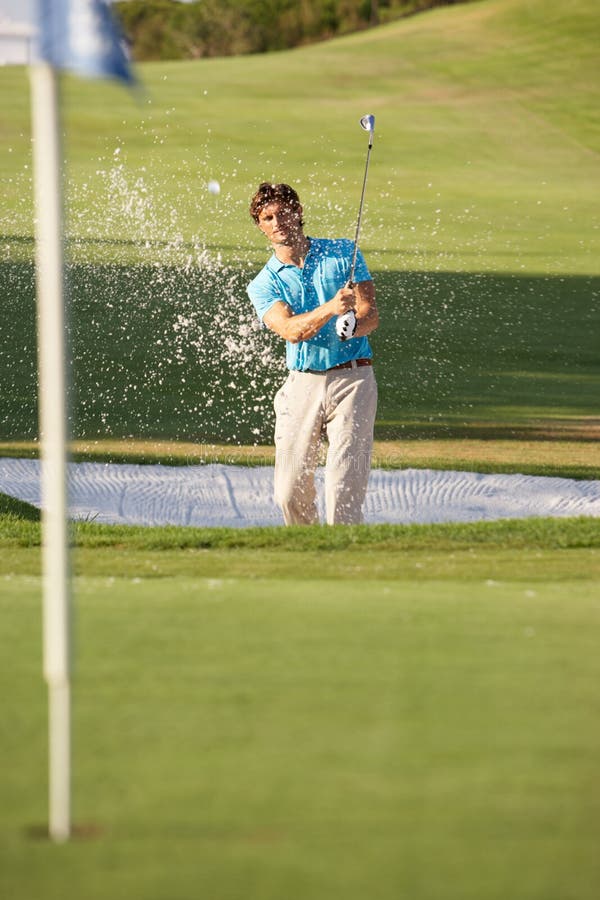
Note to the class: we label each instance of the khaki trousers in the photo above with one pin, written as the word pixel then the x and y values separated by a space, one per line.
pixel 340 404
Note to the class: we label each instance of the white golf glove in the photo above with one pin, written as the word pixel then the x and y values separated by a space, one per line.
pixel 345 325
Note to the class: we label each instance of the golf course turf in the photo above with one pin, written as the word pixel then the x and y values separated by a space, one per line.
pixel 300 737
pixel 480 226
pixel 359 711
pixel 367 713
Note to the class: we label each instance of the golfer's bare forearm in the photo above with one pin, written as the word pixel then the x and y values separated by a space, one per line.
pixel 306 325
pixel 367 323
pixel 301 327
pixel 367 316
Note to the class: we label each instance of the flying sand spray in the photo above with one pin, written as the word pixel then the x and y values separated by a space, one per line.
pixel 346 324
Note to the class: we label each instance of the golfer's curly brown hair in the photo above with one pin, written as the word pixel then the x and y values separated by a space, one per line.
pixel 274 193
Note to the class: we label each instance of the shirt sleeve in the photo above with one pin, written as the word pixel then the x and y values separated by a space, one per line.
pixel 361 272
pixel 263 294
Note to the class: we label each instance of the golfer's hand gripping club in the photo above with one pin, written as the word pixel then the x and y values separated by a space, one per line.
pixel 346 323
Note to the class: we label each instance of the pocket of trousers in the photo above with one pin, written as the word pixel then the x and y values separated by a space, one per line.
pixel 280 398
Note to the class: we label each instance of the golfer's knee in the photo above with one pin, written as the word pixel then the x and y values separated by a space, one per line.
pixel 289 496
pixel 297 503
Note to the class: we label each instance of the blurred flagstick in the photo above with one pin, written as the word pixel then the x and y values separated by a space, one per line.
pixel 47 159
pixel 80 36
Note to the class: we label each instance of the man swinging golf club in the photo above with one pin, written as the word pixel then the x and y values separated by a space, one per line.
pixel 318 295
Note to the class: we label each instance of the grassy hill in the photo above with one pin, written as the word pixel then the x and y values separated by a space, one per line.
pixel 486 156
pixel 481 223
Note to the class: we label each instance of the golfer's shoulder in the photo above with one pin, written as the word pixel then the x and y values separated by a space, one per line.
pixel 336 247
pixel 262 280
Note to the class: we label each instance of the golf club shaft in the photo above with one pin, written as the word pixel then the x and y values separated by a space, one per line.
pixel 360 209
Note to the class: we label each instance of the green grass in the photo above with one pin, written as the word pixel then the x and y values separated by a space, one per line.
pixel 486 156
pixel 14 511
pixel 481 226
pixel 390 712
pixel 528 451
pixel 456 550
pixel 347 711
pixel 456 354
pixel 277 738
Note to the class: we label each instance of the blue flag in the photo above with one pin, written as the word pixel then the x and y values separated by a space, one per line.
pixel 83 37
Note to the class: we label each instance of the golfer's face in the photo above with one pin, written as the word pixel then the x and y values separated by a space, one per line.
pixel 280 223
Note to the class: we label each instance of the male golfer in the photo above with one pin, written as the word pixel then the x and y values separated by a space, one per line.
pixel 331 388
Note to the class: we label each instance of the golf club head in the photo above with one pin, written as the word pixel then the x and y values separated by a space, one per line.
pixel 368 124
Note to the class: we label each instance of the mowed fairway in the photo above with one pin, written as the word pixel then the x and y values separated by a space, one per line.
pixel 434 735
pixel 312 713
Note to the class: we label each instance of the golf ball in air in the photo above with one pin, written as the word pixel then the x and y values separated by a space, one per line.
pixel 214 187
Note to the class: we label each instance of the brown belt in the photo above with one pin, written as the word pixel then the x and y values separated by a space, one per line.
pixel 352 363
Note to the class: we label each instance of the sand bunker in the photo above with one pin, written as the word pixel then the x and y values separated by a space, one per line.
pixel 220 495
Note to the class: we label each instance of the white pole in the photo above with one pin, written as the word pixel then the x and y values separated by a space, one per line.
pixel 53 431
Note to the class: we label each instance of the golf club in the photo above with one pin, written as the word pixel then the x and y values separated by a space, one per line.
pixel 368 124
pixel 346 324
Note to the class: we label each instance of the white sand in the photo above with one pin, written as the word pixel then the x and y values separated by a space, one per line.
pixel 240 497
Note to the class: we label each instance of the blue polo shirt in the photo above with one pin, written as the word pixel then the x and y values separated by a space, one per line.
pixel 326 270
